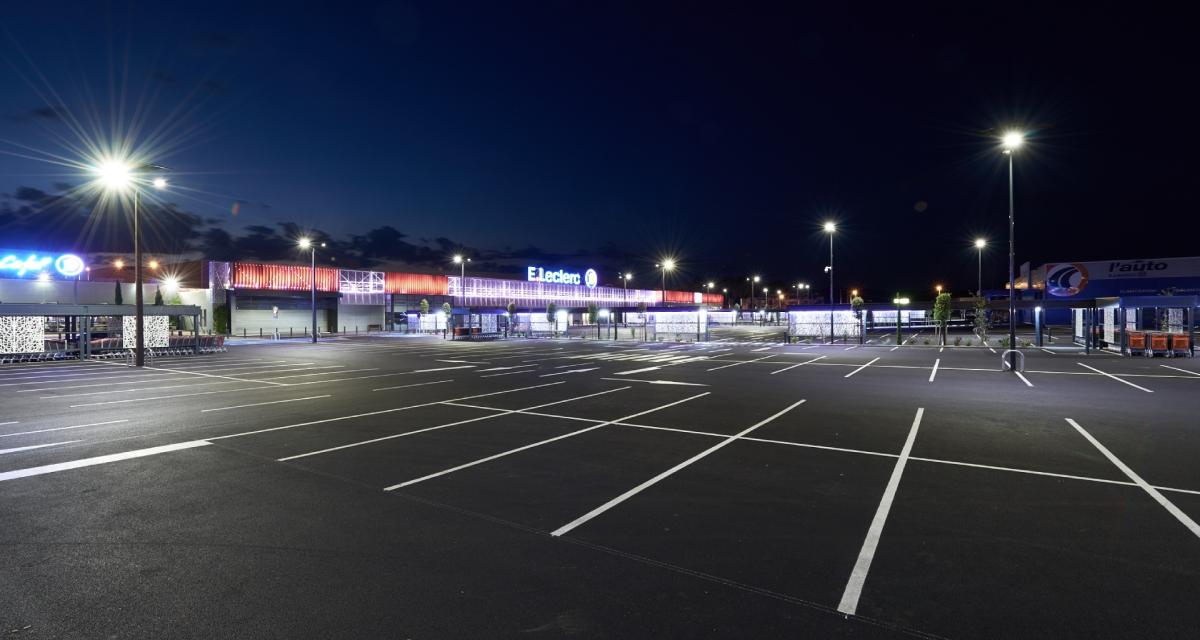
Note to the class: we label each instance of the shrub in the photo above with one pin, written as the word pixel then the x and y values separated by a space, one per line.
pixel 957 340
pixel 968 342
pixel 926 340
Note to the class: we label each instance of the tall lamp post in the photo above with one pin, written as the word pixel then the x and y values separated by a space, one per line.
pixel 753 280
pixel 830 228
pixel 1011 142
pixel 306 243
pixel 666 265
pixel 980 243
pixel 121 176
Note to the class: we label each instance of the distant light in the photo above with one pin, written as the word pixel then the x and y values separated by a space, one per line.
pixel 458 259
pixel 900 300
pixel 603 313
pixel 114 174
pixel 171 282
pixel 980 243
pixel 710 285
pixel 1037 309
pixel 160 183
pixel 668 264
pixel 830 227
pixel 1012 140
pixel 766 290
pixel 119 264
pixel 305 243
pixel 724 290
pixel 628 276
pixel 939 288
pixel 43 277
pixel 854 292
pixel 153 264
pixel 756 278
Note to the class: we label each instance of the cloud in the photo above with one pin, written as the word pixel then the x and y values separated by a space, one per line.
pixel 36 113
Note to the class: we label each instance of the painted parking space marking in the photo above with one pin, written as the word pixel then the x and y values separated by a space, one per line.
pixel 798 364
pixel 381 412
pixel 499 413
pixel 36 446
pixel 860 368
pixel 74 426
pixel 1154 493
pixel 933 374
pixel 862 566
pixel 567 528
pixel 260 404
pixel 1114 377
pixel 539 443
pixel 741 362
pixel 88 462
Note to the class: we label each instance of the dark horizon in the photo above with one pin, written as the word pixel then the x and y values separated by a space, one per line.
pixel 609 137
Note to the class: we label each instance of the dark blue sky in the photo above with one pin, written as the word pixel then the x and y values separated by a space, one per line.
pixel 607 134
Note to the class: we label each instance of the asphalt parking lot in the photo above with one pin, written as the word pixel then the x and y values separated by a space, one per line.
pixel 414 487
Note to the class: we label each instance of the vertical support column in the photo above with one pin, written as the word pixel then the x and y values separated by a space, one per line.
pixel 1037 326
pixel 196 334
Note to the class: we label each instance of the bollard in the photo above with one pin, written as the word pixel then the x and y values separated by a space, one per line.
pixel 260 332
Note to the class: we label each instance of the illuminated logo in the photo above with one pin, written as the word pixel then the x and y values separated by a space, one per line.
pixel 590 278
pixel 538 274
pixel 1064 280
pixel 67 264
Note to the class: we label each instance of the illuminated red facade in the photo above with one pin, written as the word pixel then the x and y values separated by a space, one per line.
pixel 418 283
pixel 280 277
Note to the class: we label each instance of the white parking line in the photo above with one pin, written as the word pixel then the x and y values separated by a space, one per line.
pixel 566 528
pixel 510 373
pixel 563 373
pixel 1023 379
pixel 539 443
pixel 633 371
pixel 259 404
pixel 75 426
pixel 415 384
pixel 376 413
pixel 858 576
pixel 36 446
pixel 88 462
pixel 726 366
pixel 501 412
pixel 1114 377
pixel 1178 369
pixel 860 368
pixel 798 364
pixel 1154 493
pixel 933 374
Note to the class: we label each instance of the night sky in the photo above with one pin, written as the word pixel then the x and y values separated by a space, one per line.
pixel 574 134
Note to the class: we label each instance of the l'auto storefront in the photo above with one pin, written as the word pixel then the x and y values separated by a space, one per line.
pixel 271 297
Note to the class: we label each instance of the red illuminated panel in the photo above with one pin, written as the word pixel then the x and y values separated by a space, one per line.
pixel 714 298
pixel 280 277
pixel 685 297
pixel 421 283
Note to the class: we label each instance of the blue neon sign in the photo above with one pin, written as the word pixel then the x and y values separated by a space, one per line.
pixel 67 264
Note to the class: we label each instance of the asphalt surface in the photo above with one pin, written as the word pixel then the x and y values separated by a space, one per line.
pixel 410 487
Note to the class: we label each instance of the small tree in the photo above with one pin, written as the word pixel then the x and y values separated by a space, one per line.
pixel 511 308
pixel 641 307
pixel 117 298
pixel 593 312
pixel 158 300
pixel 551 310
pixel 941 313
pixel 981 319
pixel 424 307
pixel 857 305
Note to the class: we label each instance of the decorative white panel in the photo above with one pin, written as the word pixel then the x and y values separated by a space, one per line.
pixel 1079 332
pixel 350 281
pixel 22 334
pixel 432 322
pixel 487 324
pixel 816 323
pixel 158 331
pixel 675 321
pixel 1110 325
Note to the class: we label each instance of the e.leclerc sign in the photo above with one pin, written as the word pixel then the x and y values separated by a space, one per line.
pixel 25 264
pixel 559 276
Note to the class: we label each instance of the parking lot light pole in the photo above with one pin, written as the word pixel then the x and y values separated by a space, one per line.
pixel 980 243
pixel 306 243
pixel 119 175
pixel 1011 142
pixel 830 228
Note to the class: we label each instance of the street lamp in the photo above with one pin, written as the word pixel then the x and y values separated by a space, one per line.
pixel 980 243
pixel 1010 143
pixel 306 243
pixel 667 264
pixel 119 175
pixel 938 288
pixel 830 228
pixel 753 280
